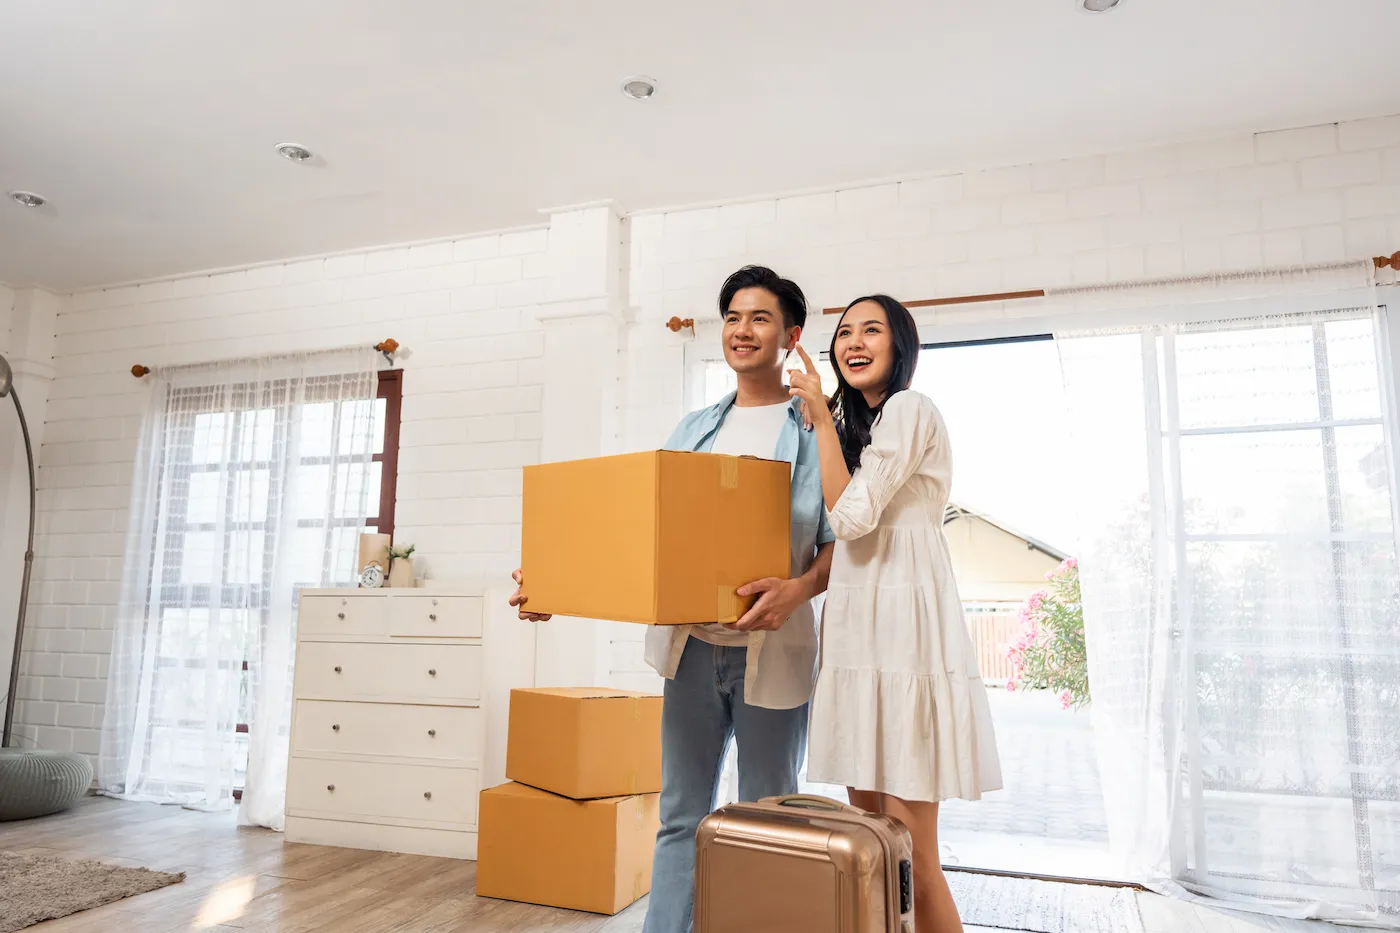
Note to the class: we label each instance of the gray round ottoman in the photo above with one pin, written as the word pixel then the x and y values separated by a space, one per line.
pixel 37 782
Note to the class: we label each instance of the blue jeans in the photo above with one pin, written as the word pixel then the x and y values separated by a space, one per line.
pixel 703 707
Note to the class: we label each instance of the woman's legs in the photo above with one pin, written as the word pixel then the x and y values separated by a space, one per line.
pixel 934 910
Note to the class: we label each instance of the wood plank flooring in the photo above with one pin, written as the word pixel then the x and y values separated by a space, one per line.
pixel 250 880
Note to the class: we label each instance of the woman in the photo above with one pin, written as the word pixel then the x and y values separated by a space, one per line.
pixel 900 715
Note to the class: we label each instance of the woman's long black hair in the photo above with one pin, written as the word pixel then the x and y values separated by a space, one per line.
pixel 853 415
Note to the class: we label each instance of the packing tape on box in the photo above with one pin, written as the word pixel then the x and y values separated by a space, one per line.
pixel 727 605
pixel 729 473
pixel 637 887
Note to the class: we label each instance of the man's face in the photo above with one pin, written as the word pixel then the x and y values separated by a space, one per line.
pixel 754 337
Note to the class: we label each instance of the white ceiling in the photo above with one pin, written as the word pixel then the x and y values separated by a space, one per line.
pixel 150 126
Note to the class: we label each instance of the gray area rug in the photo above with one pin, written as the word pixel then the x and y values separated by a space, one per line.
pixel 1044 906
pixel 35 888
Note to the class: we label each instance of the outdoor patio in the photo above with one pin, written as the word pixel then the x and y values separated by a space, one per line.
pixel 1049 818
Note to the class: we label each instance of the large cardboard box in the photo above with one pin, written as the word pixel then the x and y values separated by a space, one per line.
pixel 585 742
pixel 539 848
pixel 660 537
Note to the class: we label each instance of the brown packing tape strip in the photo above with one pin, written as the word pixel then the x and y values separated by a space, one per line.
pixel 727 604
pixel 729 473
pixel 637 886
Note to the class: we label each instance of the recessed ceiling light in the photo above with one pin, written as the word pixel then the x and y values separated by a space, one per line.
pixel 28 198
pixel 639 88
pixel 1098 6
pixel 293 152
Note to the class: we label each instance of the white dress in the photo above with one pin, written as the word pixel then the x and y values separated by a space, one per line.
pixel 899 706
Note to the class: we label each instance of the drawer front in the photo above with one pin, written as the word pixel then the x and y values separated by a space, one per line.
pixel 435 616
pixel 359 671
pixel 341 615
pixel 366 789
pixel 449 733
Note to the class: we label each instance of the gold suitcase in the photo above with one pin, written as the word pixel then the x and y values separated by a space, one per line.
pixel 802 864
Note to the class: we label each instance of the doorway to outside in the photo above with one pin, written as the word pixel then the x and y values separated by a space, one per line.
pixel 1009 524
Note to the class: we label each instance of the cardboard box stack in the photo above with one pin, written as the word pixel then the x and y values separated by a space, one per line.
pixel 663 537
pixel 576 825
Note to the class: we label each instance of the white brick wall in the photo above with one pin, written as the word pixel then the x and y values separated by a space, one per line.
pixel 466 309
pixel 463 310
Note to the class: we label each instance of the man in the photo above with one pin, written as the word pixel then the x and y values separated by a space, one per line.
pixel 751 680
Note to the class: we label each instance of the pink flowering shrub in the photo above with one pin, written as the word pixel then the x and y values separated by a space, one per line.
pixel 1050 653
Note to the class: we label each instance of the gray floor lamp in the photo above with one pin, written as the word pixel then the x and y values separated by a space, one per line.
pixel 7 387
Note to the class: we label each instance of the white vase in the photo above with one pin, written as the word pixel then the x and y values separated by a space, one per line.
pixel 401 572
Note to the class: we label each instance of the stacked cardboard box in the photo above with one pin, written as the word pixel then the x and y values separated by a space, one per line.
pixel 576 826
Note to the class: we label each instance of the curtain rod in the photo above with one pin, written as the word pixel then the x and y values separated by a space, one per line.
pixel 388 347
pixel 1380 262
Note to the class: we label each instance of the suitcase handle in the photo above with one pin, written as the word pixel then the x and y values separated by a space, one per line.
pixel 812 802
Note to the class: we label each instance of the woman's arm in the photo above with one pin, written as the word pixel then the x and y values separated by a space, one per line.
pixel 832 462
pixel 900 440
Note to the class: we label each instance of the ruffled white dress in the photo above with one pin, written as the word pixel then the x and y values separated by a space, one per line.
pixel 899 706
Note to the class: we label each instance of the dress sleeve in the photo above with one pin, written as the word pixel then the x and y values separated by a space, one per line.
pixel 899 441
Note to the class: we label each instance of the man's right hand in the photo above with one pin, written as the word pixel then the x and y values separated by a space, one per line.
pixel 518 602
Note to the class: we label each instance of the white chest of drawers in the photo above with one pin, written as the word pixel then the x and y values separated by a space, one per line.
pixel 398 720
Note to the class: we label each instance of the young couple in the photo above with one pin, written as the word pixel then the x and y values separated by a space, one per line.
pixel 898 712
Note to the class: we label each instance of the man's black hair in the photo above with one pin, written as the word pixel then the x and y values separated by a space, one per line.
pixel 790 298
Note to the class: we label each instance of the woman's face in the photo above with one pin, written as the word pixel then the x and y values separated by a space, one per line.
pixel 865 349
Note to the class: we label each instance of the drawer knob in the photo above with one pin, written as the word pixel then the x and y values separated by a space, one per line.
pixel 427 795
pixel 434 601
pixel 330 787
pixel 432 733
pixel 432 616
pixel 337 668
pixel 340 615
pixel 432 672
pixel 335 727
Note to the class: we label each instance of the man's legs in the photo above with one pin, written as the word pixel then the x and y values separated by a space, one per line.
pixel 771 741
pixel 696 723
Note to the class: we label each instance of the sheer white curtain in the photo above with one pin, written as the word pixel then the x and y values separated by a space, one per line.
pixel 1241 593
pixel 252 481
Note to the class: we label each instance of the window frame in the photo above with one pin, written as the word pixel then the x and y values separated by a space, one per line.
pixel 391 390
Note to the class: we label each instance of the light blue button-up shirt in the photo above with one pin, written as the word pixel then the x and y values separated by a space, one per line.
pixel 782 664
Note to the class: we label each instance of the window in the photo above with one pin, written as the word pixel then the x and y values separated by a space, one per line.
pixel 382 479
pixel 1241 592
pixel 231 454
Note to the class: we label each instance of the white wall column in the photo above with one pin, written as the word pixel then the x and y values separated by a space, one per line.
pixel 29 348
pixel 582 316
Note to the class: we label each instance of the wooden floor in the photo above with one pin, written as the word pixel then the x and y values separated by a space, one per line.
pixel 250 880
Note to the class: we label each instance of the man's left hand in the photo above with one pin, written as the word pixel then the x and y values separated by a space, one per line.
pixel 778 600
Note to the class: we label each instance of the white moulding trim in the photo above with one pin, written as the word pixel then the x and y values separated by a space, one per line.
pixel 573 309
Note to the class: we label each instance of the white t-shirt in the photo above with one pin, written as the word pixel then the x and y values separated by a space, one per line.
pixel 746 432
